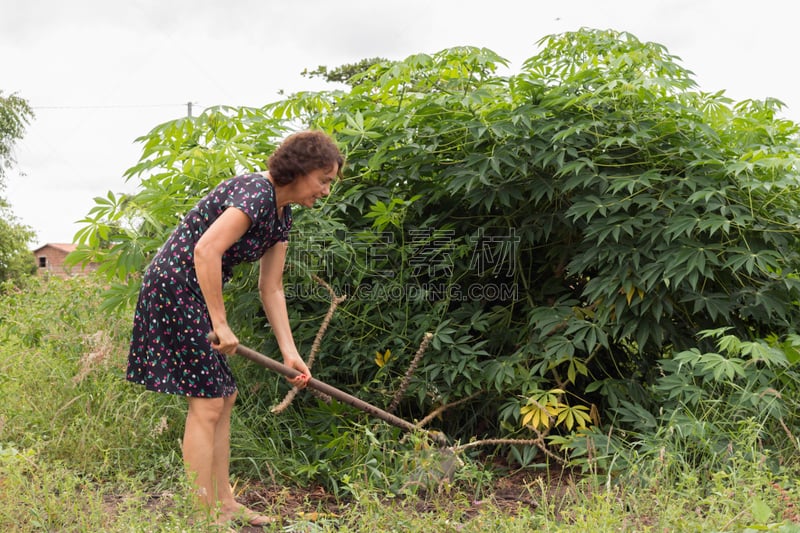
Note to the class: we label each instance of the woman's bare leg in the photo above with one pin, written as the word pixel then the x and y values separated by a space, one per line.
pixel 199 440
pixel 206 453
pixel 220 466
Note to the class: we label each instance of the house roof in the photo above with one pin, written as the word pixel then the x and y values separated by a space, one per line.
pixel 65 247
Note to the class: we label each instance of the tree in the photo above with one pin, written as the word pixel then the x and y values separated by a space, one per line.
pixel 351 73
pixel 15 114
pixel 15 258
pixel 564 233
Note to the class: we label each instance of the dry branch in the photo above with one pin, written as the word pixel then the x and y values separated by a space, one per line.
pixel 335 301
pixel 439 410
pixel 538 442
pixel 410 372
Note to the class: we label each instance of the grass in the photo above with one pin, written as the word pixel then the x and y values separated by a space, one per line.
pixel 83 451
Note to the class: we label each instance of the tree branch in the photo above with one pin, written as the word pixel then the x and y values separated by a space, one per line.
pixel 335 301
pixel 410 372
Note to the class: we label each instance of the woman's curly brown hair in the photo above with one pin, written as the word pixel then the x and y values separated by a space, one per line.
pixel 302 153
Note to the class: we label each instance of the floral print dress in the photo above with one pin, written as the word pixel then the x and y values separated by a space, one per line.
pixel 169 350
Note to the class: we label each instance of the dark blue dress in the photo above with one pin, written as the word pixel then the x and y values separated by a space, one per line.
pixel 169 350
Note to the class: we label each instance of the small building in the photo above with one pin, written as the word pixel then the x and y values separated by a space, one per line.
pixel 50 260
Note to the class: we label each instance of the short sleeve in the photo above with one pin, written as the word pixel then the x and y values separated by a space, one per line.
pixel 254 197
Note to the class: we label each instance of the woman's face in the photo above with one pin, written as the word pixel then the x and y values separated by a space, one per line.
pixel 314 185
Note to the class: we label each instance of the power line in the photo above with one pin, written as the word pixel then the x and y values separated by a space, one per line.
pixel 109 106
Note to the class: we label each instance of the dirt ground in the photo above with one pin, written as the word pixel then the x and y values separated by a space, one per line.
pixel 509 492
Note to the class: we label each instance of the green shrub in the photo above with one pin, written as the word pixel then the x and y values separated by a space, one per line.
pixel 570 227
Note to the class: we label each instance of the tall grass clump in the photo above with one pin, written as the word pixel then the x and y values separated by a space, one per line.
pixel 74 436
pixel 666 491
pixel 63 387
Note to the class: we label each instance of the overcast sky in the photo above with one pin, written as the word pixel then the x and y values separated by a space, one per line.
pixel 100 73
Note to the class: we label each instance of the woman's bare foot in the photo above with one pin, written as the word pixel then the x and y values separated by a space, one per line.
pixel 240 513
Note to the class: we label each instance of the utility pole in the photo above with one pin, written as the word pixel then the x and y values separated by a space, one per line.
pixel 189 109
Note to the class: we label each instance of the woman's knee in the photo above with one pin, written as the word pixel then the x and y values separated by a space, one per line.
pixel 207 409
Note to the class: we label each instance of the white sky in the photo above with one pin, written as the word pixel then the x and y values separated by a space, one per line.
pixel 100 73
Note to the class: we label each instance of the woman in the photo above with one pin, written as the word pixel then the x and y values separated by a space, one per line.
pixel 246 218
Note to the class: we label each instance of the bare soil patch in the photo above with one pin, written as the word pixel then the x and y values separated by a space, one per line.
pixel 510 493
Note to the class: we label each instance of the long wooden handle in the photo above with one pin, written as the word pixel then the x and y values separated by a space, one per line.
pixel 323 387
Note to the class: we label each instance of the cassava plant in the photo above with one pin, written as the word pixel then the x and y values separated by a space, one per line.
pixel 563 232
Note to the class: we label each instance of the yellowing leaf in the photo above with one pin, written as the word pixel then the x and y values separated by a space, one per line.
pixel 382 358
pixel 528 416
pixel 566 418
pixel 541 419
pixel 537 415
pixel 545 409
